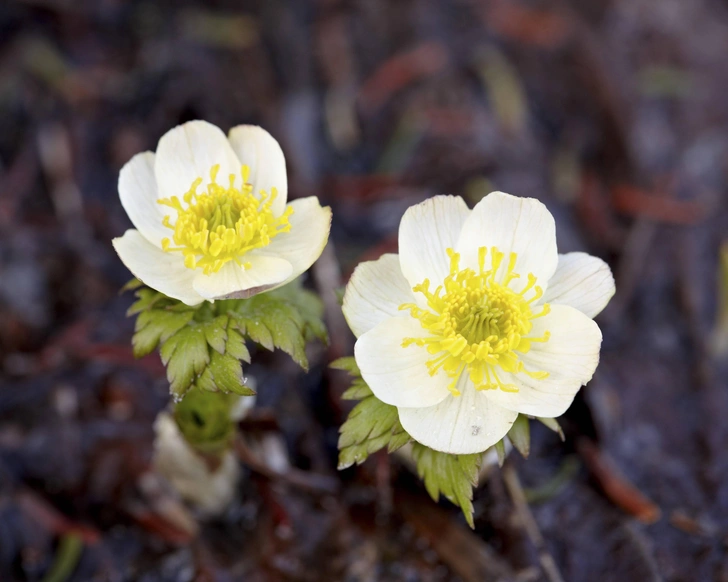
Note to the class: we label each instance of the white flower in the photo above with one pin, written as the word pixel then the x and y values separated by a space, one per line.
pixel 211 216
pixel 476 320
pixel 208 489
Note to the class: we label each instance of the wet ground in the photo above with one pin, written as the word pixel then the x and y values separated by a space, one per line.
pixel 614 115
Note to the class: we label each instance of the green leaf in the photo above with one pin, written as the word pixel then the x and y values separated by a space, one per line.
pixel 285 318
pixel 216 333
pixel 132 285
pixel 236 344
pixel 227 374
pixel 203 345
pixel 372 424
pixel 347 364
pixel 453 476
pixel 520 435
pixel 186 354
pixel 158 319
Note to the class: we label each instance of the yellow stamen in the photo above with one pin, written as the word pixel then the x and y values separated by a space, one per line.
pixel 223 223
pixel 478 323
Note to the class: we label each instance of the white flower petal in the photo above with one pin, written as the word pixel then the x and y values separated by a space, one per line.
pixel 581 281
pixel 138 194
pixel 520 225
pixel 304 243
pixel 374 293
pixel 426 231
pixel 570 357
pixel 459 425
pixel 188 152
pixel 162 271
pixel 258 149
pixel 234 282
pixel 398 375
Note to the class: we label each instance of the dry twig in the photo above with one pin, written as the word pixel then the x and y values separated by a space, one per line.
pixel 513 483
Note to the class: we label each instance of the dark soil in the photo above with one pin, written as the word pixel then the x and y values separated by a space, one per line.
pixel 613 113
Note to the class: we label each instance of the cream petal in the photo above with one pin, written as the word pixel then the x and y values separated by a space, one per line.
pixel 138 194
pixel 397 375
pixel 259 150
pixel 374 293
pixel 188 152
pixel 234 282
pixel 426 231
pixel 581 281
pixel 570 357
pixel 459 425
pixel 162 271
pixel 512 224
pixel 304 243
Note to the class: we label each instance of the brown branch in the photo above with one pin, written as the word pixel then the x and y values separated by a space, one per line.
pixel 615 485
pixel 459 548
pixel 306 480
pixel 513 484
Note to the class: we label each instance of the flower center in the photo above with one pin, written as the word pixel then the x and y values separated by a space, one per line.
pixel 478 324
pixel 222 224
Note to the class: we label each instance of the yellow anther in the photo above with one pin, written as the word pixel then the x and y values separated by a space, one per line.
pixel 477 323
pixel 222 224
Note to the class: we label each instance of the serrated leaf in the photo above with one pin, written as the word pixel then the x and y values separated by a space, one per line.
pixel 285 326
pixel 357 391
pixel 368 420
pixel 347 364
pixel 453 476
pixel 227 373
pixel 259 333
pixel 186 355
pixel 146 298
pixel 520 435
pixel 155 327
pixel 205 381
pixel 398 440
pixel 202 345
pixel 216 333
pixel 285 318
pixel 371 425
pixel 131 285
pixel 236 344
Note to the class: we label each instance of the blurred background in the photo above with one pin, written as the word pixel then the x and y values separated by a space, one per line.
pixel 612 112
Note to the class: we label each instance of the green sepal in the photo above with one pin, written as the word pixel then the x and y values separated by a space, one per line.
pixel 203 345
pixel 453 476
pixel 552 424
pixel 500 449
pixel 520 435
pixel 371 426
pixel 131 285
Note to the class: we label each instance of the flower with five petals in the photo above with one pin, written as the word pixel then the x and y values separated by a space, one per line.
pixel 476 320
pixel 211 216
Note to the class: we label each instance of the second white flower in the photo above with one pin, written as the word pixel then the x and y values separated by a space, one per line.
pixel 476 320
